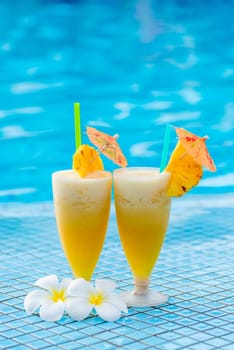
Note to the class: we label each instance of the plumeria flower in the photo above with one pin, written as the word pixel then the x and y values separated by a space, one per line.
pixel 52 298
pixel 102 298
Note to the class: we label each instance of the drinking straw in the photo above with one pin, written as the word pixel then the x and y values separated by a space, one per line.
pixel 166 143
pixel 77 124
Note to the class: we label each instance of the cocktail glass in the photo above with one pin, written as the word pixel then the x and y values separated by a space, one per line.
pixel 142 212
pixel 82 207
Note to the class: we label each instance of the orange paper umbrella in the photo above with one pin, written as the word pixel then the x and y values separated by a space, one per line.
pixel 195 146
pixel 107 145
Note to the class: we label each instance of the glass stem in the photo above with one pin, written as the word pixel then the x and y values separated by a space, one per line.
pixel 141 287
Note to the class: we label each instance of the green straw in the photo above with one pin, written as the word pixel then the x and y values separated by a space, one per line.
pixel 165 147
pixel 77 124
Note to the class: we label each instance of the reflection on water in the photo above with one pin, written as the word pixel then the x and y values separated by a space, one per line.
pixel 133 65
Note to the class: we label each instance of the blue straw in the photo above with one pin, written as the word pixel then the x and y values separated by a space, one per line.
pixel 165 147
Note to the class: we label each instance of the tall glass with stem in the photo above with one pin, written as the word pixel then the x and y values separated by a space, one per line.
pixel 142 211
pixel 82 207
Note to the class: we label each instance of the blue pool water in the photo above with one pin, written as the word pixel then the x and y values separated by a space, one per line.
pixel 133 65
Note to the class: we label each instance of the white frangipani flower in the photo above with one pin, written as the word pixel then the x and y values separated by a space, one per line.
pixel 102 298
pixel 52 298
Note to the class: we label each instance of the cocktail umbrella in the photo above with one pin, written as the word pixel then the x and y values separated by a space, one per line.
pixel 107 145
pixel 195 146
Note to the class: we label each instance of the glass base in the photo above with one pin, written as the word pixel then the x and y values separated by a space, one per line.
pixel 150 298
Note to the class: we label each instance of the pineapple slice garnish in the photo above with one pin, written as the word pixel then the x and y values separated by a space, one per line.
pixel 185 172
pixel 86 160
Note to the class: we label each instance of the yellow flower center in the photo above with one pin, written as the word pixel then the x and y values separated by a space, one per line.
pixel 58 295
pixel 96 299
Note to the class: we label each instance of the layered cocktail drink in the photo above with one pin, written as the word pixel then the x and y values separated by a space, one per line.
pixel 142 212
pixel 82 206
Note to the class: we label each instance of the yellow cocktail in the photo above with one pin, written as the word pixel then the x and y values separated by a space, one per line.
pixel 82 207
pixel 142 211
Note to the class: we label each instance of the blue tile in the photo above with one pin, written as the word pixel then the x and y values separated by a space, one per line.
pixel 91 330
pixel 214 305
pixel 186 321
pixel 155 312
pixel 3 328
pixel 186 296
pixel 106 335
pixel 217 342
pixel 123 330
pixel 73 335
pixel 88 341
pixel 11 333
pixel 201 317
pixel 154 341
pixel 5 318
pixel 142 316
pixel 217 322
pixel 185 331
pixel 229 327
pixel 217 332
pixel 169 346
pixel 169 326
pixel 112 325
pixel 186 304
pixel 201 346
pixel 56 329
pixel 3 297
pixel 229 309
pixel 137 335
pixel 69 346
pixel 228 347
pixel 171 317
pixel 26 338
pixel 121 341
pixel 229 337
pixel 138 325
pixel 19 315
pixel 186 312
pixel 185 342
pixel 136 346
pixel 201 301
pixel 45 325
pixel 38 344
pixel 99 346
pixel 228 317
pixel 5 344
pixel 228 301
pixel 31 320
pixel 6 309
pixel 42 334
pixel 201 308
pixel 76 326
pixel 200 336
pixel 201 326
pixel 168 336
pixel 56 339
pixel 171 308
